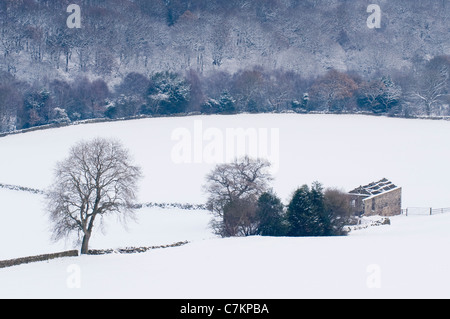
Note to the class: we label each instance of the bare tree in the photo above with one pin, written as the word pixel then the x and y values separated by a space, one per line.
pixel 10 104
pixel 338 210
pixel 97 179
pixel 434 84
pixel 233 191
pixel 333 91
pixel 391 94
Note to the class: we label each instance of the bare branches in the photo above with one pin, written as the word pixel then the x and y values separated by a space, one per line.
pixel 434 84
pixel 96 179
pixel 233 192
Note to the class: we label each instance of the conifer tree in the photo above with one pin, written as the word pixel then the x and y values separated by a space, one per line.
pixel 306 212
pixel 270 215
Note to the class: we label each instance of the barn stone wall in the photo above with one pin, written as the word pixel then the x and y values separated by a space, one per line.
pixel 386 204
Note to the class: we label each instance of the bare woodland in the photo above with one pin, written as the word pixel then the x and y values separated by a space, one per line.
pixel 134 58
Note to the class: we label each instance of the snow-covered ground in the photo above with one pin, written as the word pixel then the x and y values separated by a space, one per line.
pixel 26 228
pixel 344 151
pixel 406 259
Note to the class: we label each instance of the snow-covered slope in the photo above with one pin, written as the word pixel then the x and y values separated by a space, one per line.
pixel 343 151
pixel 405 260
pixel 26 231
pixel 302 36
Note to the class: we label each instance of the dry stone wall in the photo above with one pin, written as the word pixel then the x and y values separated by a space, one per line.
pixel 32 259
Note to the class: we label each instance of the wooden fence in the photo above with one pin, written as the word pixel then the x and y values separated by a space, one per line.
pixel 424 211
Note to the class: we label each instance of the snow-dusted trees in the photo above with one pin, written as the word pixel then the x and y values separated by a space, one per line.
pixel 270 215
pixel 433 85
pixel 233 191
pixel 168 93
pixel 390 96
pixel 248 89
pixel 97 179
pixel 243 205
pixel 333 92
pixel 315 212
pixel 129 96
pixel 10 104
pixel 379 96
pixel 305 212
pixel 122 36
pixel 421 90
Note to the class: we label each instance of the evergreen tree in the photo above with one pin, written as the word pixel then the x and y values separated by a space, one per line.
pixel 298 212
pixel 270 215
pixel 315 212
pixel 306 212
pixel 318 209
pixel 226 103
pixel 168 93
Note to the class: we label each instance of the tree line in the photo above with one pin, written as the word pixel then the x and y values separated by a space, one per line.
pixel 421 91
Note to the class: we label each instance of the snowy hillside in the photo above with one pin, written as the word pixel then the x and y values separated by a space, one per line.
pixel 405 259
pixel 343 151
pixel 143 36
pixel 26 230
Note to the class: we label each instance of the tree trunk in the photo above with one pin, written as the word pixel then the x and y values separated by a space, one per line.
pixel 85 243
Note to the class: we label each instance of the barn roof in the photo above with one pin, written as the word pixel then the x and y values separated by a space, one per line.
pixel 375 188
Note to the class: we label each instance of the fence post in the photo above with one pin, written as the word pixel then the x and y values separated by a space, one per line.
pixel 431 211
pixel 407 212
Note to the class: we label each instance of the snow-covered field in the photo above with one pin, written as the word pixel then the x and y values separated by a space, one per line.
pixel 26 229
pixel 406 259
pixel 344 151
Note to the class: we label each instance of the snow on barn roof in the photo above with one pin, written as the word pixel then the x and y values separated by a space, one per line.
pixel 375 188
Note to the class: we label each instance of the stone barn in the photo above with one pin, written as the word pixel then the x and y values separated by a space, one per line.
pixel 381 198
